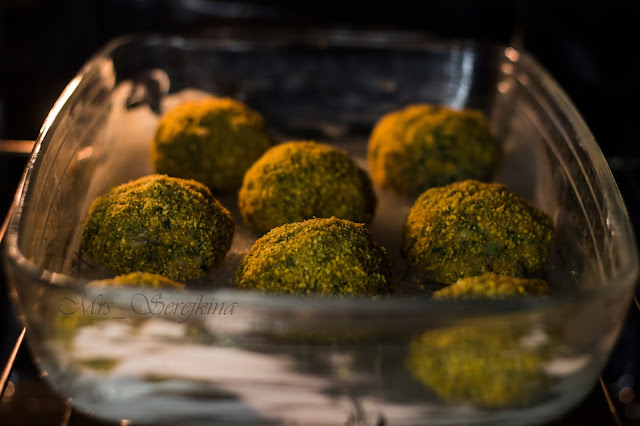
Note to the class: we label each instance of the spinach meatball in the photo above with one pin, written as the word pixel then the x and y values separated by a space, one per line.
pixel 470 228
pixel 318 256
pixel 487 366
pixel 422 146
pixel 140 279
pixel 493 286
pixel 158 224
pixel 213 141
pixel 295 181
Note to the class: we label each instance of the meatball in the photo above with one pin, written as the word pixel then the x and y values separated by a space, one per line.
pixel 486 366
pixel 422 146
pixel 295 181
pixel 322 256
pixel 493 286
pixel 213 141
pixel 470 228
pixel 142 279
pixel 158 224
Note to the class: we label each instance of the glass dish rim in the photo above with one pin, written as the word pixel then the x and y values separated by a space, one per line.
pixel 625 277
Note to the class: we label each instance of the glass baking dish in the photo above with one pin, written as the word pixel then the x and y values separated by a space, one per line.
pixel 241 357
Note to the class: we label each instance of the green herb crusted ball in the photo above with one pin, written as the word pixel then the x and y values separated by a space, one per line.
pixel 422 146
pixel 493 286
pixel 142 279
pixel 213 141
pixel 158 224
pixel 318 256
pixel 486 366
pixel 470 228
pixel 296 181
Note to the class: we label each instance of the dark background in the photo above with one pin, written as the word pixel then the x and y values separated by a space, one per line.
pixel 591 47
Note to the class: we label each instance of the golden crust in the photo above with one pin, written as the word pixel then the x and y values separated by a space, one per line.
pixel 158 224
pixel 423 146
pixel 317 256
pixel 296 181
pixel 213 141
pixel 493 286
pixel 470 228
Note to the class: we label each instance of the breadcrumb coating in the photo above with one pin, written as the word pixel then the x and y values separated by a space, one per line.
pixel 423 146
pixel 318 256
pixel 486 366
pixel 142 279
pixel 470 228
pixel 213 141
pixel 493 286
pixel 158 224
pixel 301 180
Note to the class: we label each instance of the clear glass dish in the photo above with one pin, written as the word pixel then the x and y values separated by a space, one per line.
pixel 216 355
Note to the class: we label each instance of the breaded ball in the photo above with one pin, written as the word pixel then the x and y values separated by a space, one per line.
pixel 422 146
pixel 142 279
pixel 486 366
pixel 213 141
pixel 295 181
pixel 493 286
pixel 318 256
pixel 158 224
pixel 470 228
